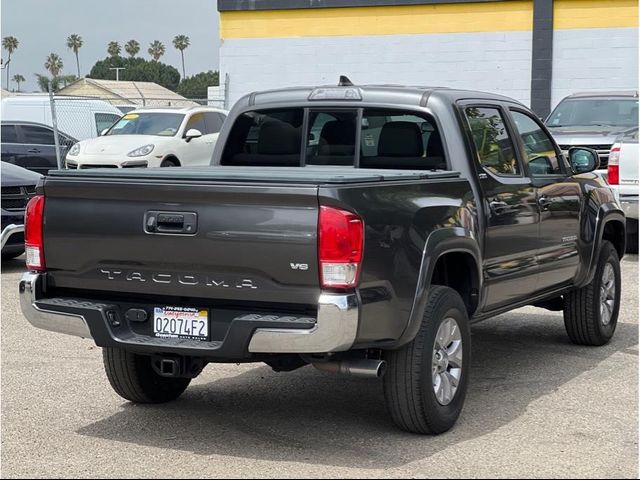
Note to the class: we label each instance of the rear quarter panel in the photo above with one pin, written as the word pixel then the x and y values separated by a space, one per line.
pixel 398 219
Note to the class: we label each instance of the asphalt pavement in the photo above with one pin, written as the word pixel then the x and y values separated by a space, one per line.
pixel 537 406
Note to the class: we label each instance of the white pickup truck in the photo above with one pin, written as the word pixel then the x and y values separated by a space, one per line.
pixel 623 178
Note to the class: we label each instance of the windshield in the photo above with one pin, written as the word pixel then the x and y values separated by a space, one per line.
pixel 614 112
pixel 150 123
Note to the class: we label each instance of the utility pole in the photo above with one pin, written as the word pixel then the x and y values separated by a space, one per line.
pixel 117 69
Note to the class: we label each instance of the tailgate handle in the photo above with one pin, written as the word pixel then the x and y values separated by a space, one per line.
pixel 171 222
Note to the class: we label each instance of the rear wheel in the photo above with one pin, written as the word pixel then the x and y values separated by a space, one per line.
pixel 426 380
pixel 591 312
pixel 134 379
pixel 632 235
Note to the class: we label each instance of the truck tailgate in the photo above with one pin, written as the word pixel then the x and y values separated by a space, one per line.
pixel 252 242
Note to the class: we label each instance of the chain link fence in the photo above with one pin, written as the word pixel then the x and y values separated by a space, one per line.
pixel 75 118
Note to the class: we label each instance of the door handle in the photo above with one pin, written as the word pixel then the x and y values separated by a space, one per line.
pixel 33 150
pixel 544 202
pixel 177 223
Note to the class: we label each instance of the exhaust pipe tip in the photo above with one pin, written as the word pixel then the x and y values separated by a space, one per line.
pixel 362 368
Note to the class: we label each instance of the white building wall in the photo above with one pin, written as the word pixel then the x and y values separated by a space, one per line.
pixel 497 62
pixel 594 59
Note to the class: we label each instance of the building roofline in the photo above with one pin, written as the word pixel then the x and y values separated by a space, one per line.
pixel 253 5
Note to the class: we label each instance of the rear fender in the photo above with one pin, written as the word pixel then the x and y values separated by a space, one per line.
pixel 440 242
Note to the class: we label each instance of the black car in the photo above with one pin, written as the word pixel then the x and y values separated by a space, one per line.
pixel 18 186
pixel 32 145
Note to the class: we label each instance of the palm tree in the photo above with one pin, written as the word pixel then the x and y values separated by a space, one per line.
pixel 74 42
pixel 181 42
pixel 43 82
pixel 10 44
pixel 114 49
pixel 132 48
pixel 54 64
pixel 18 79
pixel 156 49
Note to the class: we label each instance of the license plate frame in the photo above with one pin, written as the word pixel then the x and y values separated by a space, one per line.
pixel 181 323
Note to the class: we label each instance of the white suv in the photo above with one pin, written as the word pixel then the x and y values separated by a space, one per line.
pixel 623 178
pixel 154 137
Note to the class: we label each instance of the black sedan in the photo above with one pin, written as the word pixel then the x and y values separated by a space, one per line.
pixel 18 186
pixel 32 145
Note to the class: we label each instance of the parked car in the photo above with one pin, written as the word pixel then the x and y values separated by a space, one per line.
pixel 32 145
pixel 79 117
pixel 623 178
pixel 417 212
pixel 594 120
pixel 18 186
pixel 159 137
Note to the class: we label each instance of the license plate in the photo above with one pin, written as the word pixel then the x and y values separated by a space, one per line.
pixel 181 322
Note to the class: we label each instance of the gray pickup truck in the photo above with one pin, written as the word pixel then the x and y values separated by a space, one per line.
pixel 357 229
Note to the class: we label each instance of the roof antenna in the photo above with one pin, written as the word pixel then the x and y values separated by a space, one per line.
pixel 345 82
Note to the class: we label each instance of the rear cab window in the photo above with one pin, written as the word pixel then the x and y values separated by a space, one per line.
pixel 364 137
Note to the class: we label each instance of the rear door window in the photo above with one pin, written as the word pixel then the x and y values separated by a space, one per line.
pixel 492 142
pixel 37 135
pixel 265 138
pixel 9 134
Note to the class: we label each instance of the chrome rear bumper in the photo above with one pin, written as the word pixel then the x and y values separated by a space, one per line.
pixel 335 329
pixel 70 324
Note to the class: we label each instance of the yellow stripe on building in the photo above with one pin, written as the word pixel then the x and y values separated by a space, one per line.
pixel 572 14
pixel 514 15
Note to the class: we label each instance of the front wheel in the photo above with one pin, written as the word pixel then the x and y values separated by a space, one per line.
pixel 591 312
pixel 169 162
pixel 426 380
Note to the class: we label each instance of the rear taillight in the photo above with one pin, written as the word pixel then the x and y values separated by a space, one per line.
pixel 33 225
pixel 340 246
pixel 613 168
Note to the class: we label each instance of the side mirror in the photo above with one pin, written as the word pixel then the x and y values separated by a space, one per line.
pixel 192 133
pixel 104 132
pixel 583 159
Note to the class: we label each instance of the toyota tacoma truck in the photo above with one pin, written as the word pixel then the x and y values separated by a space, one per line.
pixel 359 229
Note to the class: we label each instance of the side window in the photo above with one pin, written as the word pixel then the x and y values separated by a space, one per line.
pixel 493 145
pixel 196 121
pixel 105 120
pixel 332 138
pixel 400 140
pixel 265 137
pixel 9 134
pixel 540 153
pixel 37 135
pixel 213 121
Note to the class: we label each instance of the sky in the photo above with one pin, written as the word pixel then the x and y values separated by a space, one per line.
pixel 42 27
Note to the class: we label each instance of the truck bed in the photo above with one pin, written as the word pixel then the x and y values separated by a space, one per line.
pixel 306 175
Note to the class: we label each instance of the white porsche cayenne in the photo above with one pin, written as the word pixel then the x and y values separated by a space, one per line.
pixel 152 137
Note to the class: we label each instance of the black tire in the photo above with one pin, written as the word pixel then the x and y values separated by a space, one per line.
pixel 582 315
pixel 10 255
pixel 632 241
pixel 170 162
pixel 134 379
pixel 408 384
